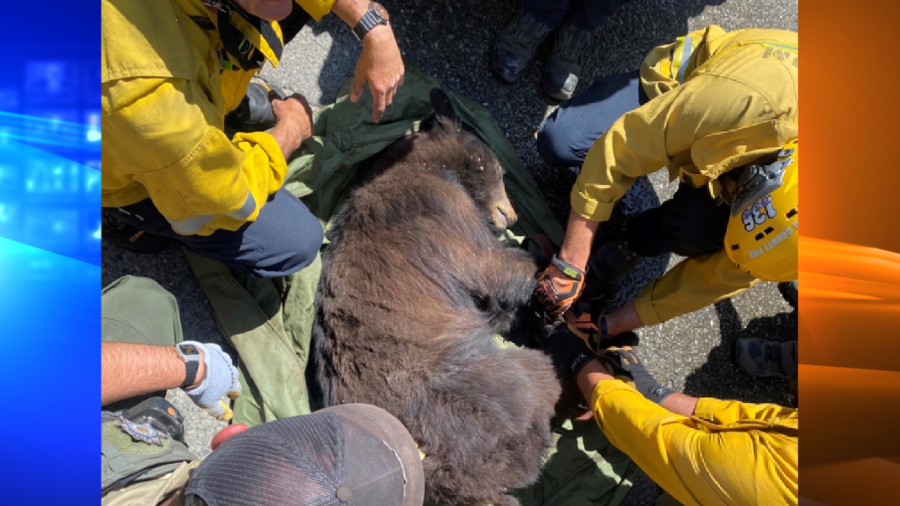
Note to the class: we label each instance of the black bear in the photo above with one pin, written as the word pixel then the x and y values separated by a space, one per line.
pixel 414 286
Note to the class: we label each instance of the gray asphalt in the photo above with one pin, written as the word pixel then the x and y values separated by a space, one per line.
pixel 451 40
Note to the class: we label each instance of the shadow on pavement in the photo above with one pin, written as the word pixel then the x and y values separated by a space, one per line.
pixel 721 376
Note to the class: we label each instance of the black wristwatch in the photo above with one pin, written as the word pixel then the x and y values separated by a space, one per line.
pixel 191 356
pixel 376 15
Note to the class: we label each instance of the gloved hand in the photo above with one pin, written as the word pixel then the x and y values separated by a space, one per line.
pixel 589 327
pixel 624 364
pixel 558 287
pixel 221 379
pixel 568 352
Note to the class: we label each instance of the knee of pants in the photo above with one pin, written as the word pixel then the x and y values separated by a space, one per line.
pixel 138 310
pixel 293 251
pixel 554 143
pixel 308 246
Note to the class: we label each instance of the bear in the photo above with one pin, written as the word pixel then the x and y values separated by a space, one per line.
pixel 415 285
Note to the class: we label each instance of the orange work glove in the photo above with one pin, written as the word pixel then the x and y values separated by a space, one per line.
pixel 558 287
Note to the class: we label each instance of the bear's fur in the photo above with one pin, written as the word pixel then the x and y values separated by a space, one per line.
pixel 414 285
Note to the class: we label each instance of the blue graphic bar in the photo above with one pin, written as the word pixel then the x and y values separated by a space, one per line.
pixel 49 130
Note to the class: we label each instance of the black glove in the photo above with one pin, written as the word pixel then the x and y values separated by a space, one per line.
pixel 625 362
pixel 590 327
pixel 568 351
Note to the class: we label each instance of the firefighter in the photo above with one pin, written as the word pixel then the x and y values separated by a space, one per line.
pixel 720 111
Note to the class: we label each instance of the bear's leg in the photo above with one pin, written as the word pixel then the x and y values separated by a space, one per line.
pixel 483 433
pixel 508 276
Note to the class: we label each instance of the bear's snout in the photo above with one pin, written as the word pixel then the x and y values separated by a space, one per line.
pixel 504 216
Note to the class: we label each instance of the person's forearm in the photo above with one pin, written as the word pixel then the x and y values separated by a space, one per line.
pixel 593 373
pixel 589 376
pixel 288 137
pixel 351 11
pixel 576 247
pixel 681 404
pixel 624 319
pixel 130 369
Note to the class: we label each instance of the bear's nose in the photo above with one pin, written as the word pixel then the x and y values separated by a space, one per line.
pixel 505 216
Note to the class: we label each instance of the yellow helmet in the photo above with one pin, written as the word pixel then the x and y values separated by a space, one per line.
pixel 762 235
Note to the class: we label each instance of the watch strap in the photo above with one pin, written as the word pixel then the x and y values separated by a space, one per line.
pixel 190 373
pixel 370 20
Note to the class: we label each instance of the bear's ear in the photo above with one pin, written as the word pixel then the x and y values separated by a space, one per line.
pixel 443 109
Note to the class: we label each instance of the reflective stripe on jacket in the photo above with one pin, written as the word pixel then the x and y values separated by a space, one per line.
pixel 729 452
pixel 164 101
pixel 717 101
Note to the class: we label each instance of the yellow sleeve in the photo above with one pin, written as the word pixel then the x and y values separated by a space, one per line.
pixel 730 412
pixel 316 8
pixel 696 465
pixel 167 136
pixel 714 122
pixel 691 285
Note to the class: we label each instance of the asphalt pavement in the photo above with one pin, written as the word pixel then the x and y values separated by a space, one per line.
pixel 451 40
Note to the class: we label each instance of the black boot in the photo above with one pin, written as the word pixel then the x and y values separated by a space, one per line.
pixel 516 45
pixel 791 292
pixel 563 67
pixel 130 237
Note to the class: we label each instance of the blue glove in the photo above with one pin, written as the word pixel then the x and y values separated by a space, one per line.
pixel 222 378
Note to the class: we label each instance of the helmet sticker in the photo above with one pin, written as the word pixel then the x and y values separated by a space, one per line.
pixel 758 213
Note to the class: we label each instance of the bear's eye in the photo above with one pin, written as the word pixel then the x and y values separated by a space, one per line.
pixel 475 163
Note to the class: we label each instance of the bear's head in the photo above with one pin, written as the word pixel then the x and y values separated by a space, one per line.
pixel 472 162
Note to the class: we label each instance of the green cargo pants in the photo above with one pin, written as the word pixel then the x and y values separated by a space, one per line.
pixel 138 310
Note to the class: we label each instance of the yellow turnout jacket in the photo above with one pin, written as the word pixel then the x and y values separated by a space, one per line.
pixel 164 101
pixel 717 101
pixel 728 453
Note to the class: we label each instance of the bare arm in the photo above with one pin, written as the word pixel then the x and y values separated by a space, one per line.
pixel 380 64
pixel 350 10
pixel 133 369
pixel 576 247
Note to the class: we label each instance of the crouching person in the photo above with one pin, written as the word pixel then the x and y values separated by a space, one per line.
pixel 347 453
pixel 720 111
pixel 143 355
pixel 701 451
pixel 193 151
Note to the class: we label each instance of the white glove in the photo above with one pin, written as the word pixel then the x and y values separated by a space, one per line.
pixel 222 378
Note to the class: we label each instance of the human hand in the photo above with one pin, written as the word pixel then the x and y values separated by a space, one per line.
pixel 381 66
pixel 219 378
pixel 623 363
pixel 590 327
pixel 294 122
pixel 568 352
pixel 558 287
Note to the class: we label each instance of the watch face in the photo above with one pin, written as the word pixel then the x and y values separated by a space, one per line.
pixel 381 11
pixel 188 349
